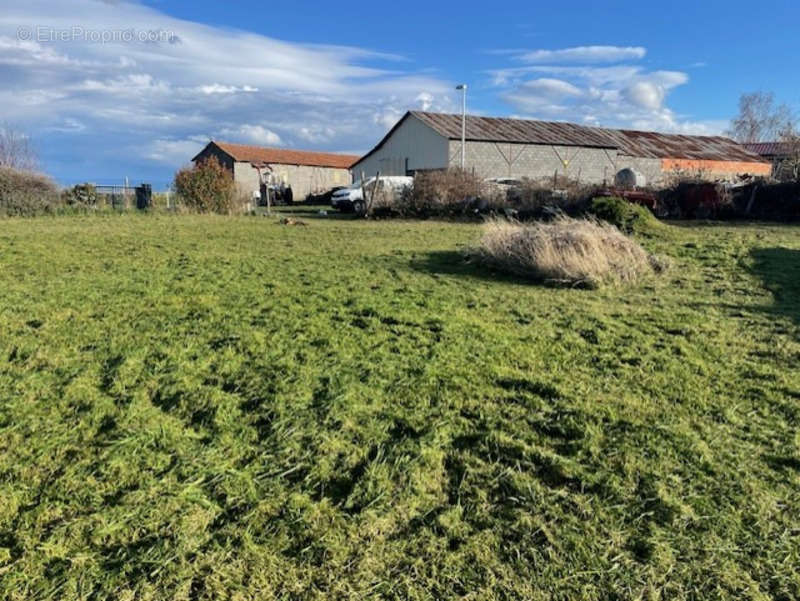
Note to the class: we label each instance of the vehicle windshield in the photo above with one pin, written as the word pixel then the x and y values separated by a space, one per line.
pixel 358 183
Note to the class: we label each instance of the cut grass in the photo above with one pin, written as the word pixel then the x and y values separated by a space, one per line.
pixel 211 407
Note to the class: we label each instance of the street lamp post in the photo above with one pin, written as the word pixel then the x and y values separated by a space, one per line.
pixel 463 88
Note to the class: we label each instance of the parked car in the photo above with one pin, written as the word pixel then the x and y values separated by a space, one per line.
pixel 323 198
pixel 504 181
pixel 507 186
pixel 351 199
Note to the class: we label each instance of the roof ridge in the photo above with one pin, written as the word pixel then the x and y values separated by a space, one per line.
pixel 248 153
pixel 283 149
pixel 525 119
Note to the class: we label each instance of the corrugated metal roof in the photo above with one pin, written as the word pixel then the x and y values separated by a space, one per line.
pixel 656 145
pixel 769 149
pixel 282 156
pixel 628 142
pixel 525 131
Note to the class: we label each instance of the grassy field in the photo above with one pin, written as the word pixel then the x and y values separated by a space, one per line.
pixel 227 408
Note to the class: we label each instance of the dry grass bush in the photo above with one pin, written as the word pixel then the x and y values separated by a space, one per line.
pixel 450 192
pixel 566 251
pixel 81 195
pixel 676 177
pixel 537 197
pixel 455 192
pixel 26 193
pixel 383 199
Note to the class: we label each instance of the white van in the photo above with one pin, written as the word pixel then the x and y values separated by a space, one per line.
pixel 352 198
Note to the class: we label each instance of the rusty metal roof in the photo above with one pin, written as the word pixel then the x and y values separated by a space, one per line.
pixel 260 155
pixel 656 145
pixel 526 131
pixel 769 149
pixel 628 142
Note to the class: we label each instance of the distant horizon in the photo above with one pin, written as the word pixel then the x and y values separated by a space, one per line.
pixel 114 89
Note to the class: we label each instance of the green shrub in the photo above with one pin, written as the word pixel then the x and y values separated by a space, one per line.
pixel 207 188
pixel 627 216
pixel 26 193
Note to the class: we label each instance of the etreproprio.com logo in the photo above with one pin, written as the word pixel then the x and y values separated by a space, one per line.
pixel 77 33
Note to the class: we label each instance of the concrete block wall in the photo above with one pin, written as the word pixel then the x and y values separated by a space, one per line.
pixel 302 178
pixel 245 176
pixel 650 168
pixel 305 180
pixel 490 159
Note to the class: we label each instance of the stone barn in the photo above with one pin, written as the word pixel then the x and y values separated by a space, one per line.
pixel 305 172
pixel 516 148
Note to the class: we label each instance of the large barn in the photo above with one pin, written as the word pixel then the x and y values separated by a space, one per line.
pixel 304 171
pixel 515 148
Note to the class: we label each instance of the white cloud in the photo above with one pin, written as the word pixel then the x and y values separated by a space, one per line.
pixel 127 84
pixel 591 75
pixel 28 52
pixel 176 152
pixel 387 116
pixel 425 101
pixel 553 88
pixel 220 89
pixel 584 54
pixel 69 126
pixel 151 101
pixel 645 94
pixel 620 95
pixel 253 134
pixel 316 134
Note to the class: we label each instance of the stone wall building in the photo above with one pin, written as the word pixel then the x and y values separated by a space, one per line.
pixel 306 172
pixel 517 148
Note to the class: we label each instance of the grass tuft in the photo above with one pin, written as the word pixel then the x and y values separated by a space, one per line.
pixel 566 251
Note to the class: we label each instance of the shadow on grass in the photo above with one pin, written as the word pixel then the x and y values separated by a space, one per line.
pixel 309 212
pixel 779 270
pixel 448 262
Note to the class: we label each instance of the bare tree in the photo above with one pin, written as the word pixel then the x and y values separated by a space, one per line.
pixel 16 149
pixel 787 167
pixel 760 119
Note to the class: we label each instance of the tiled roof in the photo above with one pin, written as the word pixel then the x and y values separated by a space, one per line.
pixel 282 156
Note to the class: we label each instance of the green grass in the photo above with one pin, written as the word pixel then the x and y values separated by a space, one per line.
pixel 210 407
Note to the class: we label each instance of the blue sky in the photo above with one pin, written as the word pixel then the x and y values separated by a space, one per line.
pixel 109 89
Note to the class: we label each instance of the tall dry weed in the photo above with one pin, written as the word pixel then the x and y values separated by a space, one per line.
pixel 567 251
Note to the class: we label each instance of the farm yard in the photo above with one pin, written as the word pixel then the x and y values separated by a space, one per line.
pixel 203 407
